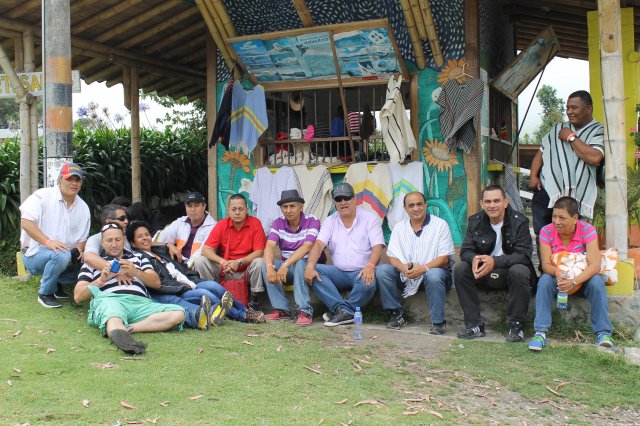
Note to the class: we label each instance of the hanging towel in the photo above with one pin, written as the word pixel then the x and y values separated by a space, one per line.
pixel 564 173
pixel 266 191
pixel 405 179
pixel 396 127
pixel 460 106
pixel 373 190
pixel 354 122
pixel 511 189
pixel 316 186
pixel 248 117
pixel 222 127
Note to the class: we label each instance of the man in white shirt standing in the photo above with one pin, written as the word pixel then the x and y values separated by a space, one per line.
pixel 420 251
pixel 55 223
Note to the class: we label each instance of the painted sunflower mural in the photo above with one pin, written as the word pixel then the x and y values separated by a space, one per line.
pixel 454 70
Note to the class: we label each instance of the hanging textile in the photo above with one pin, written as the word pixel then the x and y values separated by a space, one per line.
pixel 222 127
pixel 511 189
pixel 460 106
pixel 396 127
pixel 373 190
pixel 368 125
pixel 266 191
pixel 248 117
pixel 315 187
pixel 405 179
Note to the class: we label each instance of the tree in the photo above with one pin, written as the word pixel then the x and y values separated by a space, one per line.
pixel 526 139
pixel 552 111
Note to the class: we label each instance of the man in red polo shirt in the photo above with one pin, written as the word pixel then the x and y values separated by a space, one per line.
pixel 236 244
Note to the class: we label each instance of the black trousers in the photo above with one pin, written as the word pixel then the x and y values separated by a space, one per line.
pixel 515 279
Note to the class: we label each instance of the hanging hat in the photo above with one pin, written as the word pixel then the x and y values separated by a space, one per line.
pixel 296 101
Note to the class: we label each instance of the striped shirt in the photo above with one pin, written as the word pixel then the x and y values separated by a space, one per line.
pixel 290 240
pixel 87 273
pixel 585 233
pixel 354 122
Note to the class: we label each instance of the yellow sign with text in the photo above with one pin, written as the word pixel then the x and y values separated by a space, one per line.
pixel 33 82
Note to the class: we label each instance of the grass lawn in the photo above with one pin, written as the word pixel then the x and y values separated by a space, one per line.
pixel 51 361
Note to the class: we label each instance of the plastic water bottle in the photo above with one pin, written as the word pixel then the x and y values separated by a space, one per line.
pixel 563 297
pixel 357 325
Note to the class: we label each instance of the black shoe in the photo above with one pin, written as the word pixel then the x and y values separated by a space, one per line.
pixel 254 304
pixel 48 301
pixel 472 332
pixel 60 293
pixel 340 318
pixel 396 321
pixel 438 329
pixel 516 332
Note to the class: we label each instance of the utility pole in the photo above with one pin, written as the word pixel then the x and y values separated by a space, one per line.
pixel 58 83
pixel 615 141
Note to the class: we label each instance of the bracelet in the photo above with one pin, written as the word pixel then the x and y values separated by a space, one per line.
pixel 372 265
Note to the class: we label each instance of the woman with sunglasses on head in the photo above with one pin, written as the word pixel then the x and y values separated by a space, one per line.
pixel 183 286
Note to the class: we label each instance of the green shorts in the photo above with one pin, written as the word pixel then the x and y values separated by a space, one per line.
pixel 128 307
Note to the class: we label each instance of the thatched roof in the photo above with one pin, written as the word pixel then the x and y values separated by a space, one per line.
pixel 166 39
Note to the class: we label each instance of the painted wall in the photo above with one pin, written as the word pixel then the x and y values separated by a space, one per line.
pixel 630 69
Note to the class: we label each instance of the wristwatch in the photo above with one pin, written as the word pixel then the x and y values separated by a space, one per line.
pixel 572 137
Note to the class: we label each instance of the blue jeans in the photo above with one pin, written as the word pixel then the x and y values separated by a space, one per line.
pixel 54 268
pixel 190 309
pixel 334 281
pixel 594 290
pixel 215 291
pixel 436 283
pixel 295 275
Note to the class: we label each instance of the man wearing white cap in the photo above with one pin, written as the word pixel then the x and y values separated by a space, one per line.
pixel 55 225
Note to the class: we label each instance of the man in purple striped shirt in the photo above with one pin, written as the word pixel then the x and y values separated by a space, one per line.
pixel 294 233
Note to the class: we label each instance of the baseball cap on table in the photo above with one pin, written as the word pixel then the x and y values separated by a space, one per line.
pixel 194 197
pixel 342 190
pixel 71 169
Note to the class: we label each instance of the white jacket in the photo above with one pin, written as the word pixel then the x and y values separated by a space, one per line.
pixel 178 231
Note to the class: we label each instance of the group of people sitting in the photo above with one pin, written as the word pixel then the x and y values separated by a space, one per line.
pixel 137 283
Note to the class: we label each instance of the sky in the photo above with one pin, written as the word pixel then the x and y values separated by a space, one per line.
pixel 565 75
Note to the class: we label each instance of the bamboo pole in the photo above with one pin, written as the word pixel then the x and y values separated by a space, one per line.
pixel 472 159
pixel 167 41
pixel 28 43
pixel 211 105
pixel 342 97
pixel 22 9
pixel 417 17
pixel 421 62
pixel 216 19
pixel 224 17
pixel 303 13
pixel 214 33
pixel 18 53
pixel 103 15
pixel 432 33
pixel 615 141
pixel 126 84
pixel 139 19
pixel 136 172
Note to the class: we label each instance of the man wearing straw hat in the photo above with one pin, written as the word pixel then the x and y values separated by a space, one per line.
pixel 293 233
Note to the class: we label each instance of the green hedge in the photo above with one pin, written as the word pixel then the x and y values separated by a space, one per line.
pixel 171 161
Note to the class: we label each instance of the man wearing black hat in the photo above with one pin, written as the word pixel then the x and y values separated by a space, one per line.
pixel 186 235
pixel 355 240
pixel 55 226
pixel 294 233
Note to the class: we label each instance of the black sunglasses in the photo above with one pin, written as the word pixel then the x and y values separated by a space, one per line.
pixel 341 198
pixel 110 226
pixel 120 218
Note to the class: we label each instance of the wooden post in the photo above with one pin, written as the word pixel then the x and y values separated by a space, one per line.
pixel 472 56
pixel 25 146
pixel 212 153
pixel 614 99
pixel 342 98
pixel 28 42
pixel 136 192
pixel 421 61
pixel 57 88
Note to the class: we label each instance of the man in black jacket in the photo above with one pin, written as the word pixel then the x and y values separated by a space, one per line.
pixel 495 254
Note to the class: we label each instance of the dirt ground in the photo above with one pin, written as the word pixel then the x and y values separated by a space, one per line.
pixel 475 401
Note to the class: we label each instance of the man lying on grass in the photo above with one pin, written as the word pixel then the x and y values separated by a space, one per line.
pixel 119 309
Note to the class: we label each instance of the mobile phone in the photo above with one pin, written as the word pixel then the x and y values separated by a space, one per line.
pixel 115 266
